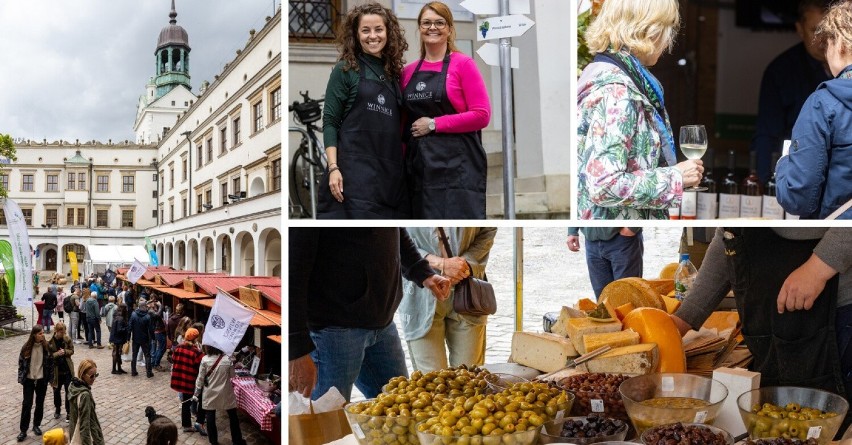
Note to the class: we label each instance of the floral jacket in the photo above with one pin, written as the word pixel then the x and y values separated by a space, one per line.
pixel 619 150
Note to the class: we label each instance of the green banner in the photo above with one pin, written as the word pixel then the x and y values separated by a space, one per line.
pixel 8 263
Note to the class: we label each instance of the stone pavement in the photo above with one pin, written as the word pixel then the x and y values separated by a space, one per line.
pixel 120 401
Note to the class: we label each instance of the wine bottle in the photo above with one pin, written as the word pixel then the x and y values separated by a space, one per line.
pixel 707 202
pixel 729 198
pixel 751 197
pixel 771 208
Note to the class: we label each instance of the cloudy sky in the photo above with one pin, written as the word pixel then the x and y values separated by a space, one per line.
pixel 74 69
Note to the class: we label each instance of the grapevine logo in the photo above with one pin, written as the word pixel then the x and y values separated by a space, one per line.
pixel 217 322
pixel 421 86
pixel 381 99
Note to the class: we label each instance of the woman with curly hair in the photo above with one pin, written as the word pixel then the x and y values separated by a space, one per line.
pixel 361 120
pixel 447 106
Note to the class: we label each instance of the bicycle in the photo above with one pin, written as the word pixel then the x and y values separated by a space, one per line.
pixel 308 166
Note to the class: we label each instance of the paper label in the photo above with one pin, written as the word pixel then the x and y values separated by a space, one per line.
pixel 688 208
pixel 750 206
pixel 707 206
pixel 255 363
pixel 700 417
pixel 729 206
pixel 668 384
pixel 771 208
pixel 674 213
pixel 597 405
pixel 814 432
pixel 356 429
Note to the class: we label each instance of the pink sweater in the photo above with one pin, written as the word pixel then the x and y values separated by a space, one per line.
pixel 466 91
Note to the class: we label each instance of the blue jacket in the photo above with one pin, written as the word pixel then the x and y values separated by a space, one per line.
pixel 140 326
pixel 816 177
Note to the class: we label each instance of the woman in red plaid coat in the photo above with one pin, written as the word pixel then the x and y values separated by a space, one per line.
pixel 185 362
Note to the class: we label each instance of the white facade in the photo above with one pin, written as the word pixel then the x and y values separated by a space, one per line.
pixel 154 117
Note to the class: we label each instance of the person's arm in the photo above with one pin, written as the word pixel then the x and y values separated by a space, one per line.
pixel 769 128
pixel 337 94
pixel 800 176
pixel 416 269
pixel 477 253
pixel 85 414
pixel 831 256
pixel 303 245
pixel 609 177
pixel 710 287
pixel 473 94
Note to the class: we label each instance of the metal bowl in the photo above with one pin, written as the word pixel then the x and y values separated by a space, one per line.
pixel 268 382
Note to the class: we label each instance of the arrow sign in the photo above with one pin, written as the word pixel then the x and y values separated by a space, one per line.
pixel 490 54
pixel 491 7
pixel 503 27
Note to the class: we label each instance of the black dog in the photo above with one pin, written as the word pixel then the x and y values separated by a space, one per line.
pixel 151 414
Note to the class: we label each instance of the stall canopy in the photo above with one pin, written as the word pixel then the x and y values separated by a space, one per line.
pixel 102 257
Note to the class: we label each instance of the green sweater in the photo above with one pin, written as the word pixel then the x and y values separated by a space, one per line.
pixel 599 233
pixel 340 94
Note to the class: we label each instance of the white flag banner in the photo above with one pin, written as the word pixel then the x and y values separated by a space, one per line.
pixel 227 323
pixel 19 238
pixel 136 271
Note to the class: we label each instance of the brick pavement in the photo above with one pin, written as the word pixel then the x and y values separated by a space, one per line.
pixel 120 400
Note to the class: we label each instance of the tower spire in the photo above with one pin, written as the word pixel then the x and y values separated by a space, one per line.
pixel 173 14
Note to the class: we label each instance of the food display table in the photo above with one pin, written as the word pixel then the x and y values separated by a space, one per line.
pixel 254 402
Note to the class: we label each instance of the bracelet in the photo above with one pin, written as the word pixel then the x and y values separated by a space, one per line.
pixel 333 169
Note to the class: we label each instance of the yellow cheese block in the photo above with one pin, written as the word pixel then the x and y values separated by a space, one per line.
pixel 627 337
pixel 561 325
pixel 578 327
pixel 623 310
pixel 668 271
pixel 671 304
pixel 637 359
pixel 543 351
pixel 656 326
pixel 586 304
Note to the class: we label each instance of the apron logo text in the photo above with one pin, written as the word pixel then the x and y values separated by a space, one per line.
pixel 419 96
pixel 376 107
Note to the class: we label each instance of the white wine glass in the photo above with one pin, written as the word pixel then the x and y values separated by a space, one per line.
pixel 693 144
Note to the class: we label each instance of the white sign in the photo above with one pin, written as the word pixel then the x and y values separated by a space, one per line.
pixel 503 27
pixel 490 54
pixel 227 323
pixel 492 7
pixel 136 271
pixel 19 238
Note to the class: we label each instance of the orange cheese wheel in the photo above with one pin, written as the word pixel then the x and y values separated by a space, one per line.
pixel 623 310
pixel 655 326
pixel 586 304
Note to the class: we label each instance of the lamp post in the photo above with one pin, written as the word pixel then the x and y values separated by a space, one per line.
pixel 189 171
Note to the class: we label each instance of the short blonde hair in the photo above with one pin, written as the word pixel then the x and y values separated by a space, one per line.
pixel 85 366
pixel 836 26
pixel 634 25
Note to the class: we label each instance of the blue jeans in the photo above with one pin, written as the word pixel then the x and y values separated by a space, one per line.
pixel 610 260
pixel 159 348
pixel 47 319
pixel 93 326
pixel 367 358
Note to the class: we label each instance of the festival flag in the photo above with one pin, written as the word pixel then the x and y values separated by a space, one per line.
pixel 72 258
pixel 21 251
pixel 152 254
pixel 136 271
pixel 227 324
pixel 109 276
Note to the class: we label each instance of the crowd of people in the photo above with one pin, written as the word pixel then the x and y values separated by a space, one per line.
pixel 139 329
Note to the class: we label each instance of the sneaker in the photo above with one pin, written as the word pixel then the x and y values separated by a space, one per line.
pixel 198 427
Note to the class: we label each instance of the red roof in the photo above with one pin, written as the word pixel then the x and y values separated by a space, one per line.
pixel 181 294
pixel 176 277
pixel 273 293
pixel 231 284
pixel 261 317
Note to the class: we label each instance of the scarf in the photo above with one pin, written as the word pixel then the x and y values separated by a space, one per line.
pixel 651 88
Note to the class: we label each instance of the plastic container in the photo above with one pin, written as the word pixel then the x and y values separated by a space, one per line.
pixel 551 433
pixel 366 427
pixel 822 429
pixel 669 390
pixel 499 381
pixel 684 276
pixel 729 440
pixel 528 437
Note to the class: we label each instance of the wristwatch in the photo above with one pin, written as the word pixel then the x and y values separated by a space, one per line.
pixel 431 124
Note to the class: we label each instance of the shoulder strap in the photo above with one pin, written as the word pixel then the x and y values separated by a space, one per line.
pixel 443 237
pixel 209 371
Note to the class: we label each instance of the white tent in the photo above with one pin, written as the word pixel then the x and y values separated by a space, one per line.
pixel 100 257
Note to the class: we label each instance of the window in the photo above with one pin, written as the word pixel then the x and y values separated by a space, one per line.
pixel 72 181
pixel 28 216
pixel 103 183
pixel 183 168
pixel 69 217
pixel 171 212
pixel 81 217
pixel 237 140
pixel 128 184
pixel 276 105
pixel 28 184
pixel 276 174
pixel 208 196
pixel 199 151
pixel 313 21
pixel 50 217
pixel 171 177
pixel 236 187
pixel 223 140
pixel 127 219
pixel 199 202
pixel 4 182
pixel 52 183
pixel 2 218
pixel 210 150
pixel 162 182
pixel 183 207
pixel 81 182
pixel 257 110
pixel 102 218
pixel 161 216
pixel 224 188
pixel 78 250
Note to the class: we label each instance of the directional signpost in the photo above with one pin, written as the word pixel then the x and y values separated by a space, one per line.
pixel 507 24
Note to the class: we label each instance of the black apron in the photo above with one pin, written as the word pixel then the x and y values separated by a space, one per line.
pixel 370 157
pixel 796 348
pixel 446 170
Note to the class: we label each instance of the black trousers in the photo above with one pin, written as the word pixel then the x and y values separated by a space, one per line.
pixel 39 389
pixel 146 351
pixel 64 381
pixel 213 433
pixel 116 356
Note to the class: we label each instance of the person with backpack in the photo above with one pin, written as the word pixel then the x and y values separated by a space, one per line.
pixel 60 304
pixel 69 305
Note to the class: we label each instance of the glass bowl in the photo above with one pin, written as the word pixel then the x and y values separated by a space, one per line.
pixel 499 381
pixel 729 440
pixel 366 427
pixel 603 400
pixel 551 432
pixel 528 437
pixel 660 399
pixel 762 426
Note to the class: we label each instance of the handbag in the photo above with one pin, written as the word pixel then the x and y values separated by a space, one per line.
pixel 471 295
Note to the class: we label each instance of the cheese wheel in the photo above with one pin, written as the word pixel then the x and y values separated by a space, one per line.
pixel 656 326
pixel 586 304
pixel 662 286
pixel 669 271
pixel 630 290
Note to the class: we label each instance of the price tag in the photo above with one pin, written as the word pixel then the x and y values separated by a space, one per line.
pixel 814 431
pixel 668 384
pixel 255 363
pixel 597 405
pixel 700 417
pixel 356 429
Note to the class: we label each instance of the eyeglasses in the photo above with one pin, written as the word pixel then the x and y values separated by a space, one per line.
pixel 439 24
pixel 94 375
